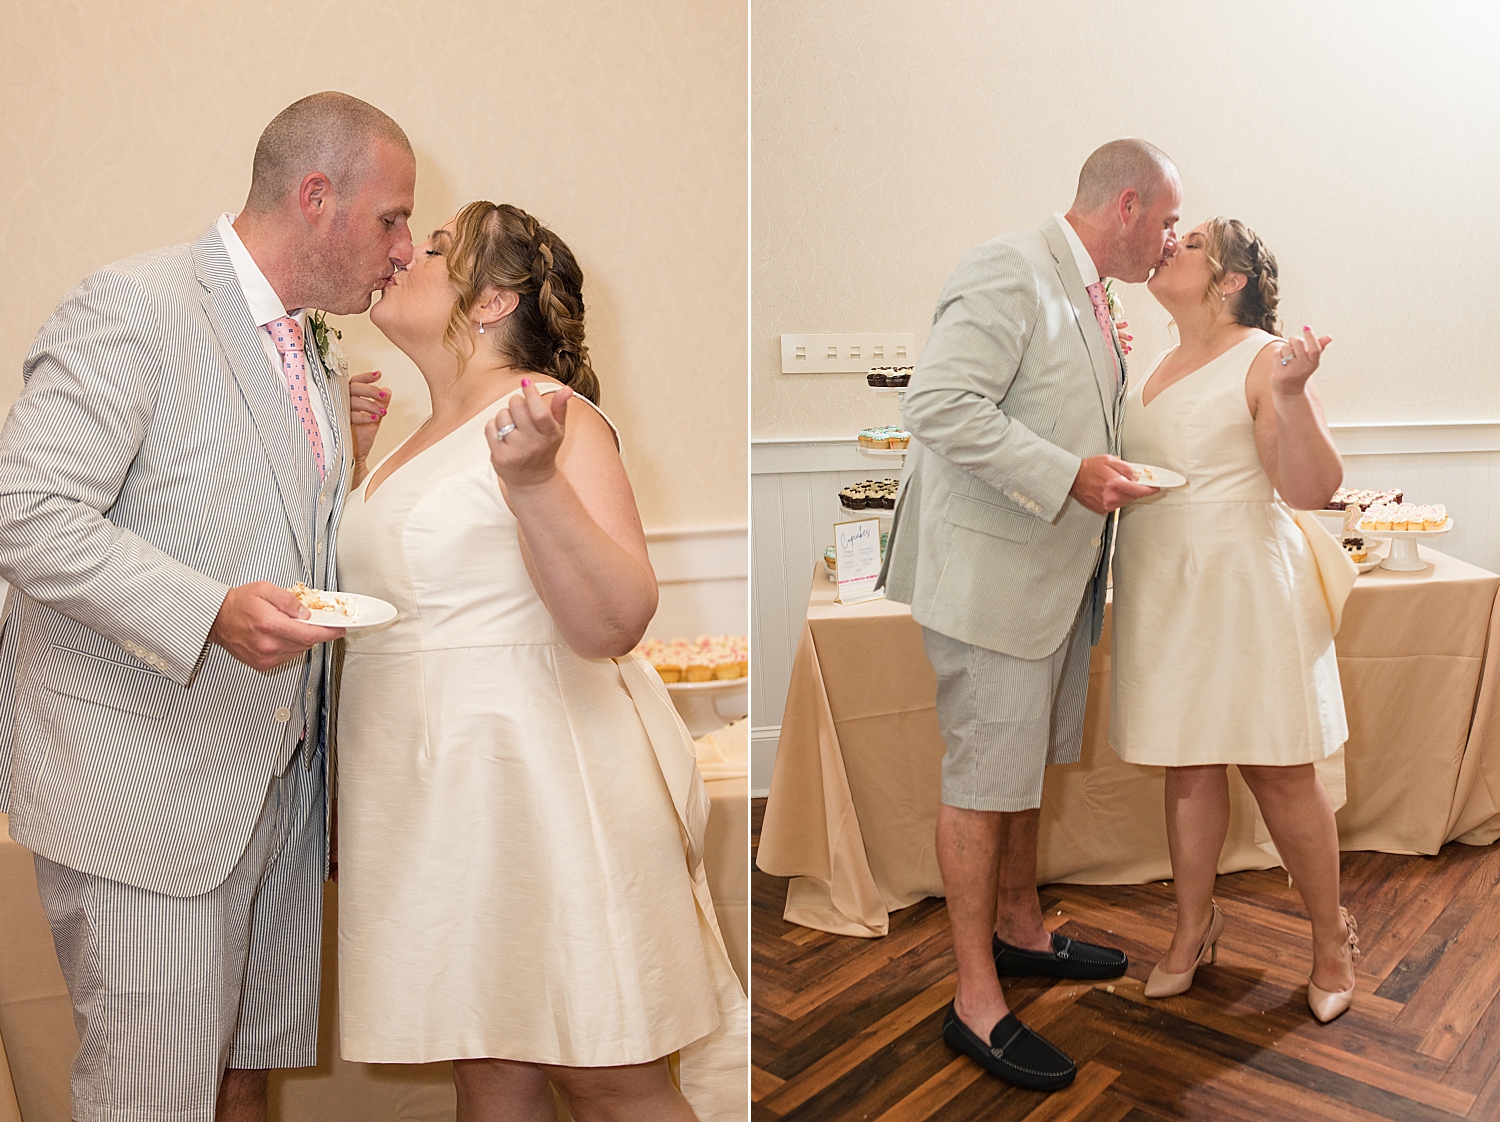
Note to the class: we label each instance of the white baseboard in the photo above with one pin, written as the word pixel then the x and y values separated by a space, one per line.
pixel 762 759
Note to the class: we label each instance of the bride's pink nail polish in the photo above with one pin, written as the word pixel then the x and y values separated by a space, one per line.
pixel 525 382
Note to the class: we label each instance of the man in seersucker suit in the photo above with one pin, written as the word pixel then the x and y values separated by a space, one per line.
pixel 176 460
pixel 1001 546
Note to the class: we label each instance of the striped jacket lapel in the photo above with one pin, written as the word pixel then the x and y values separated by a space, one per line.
pixel 1088 326
pixel 335 396
pixel 277 425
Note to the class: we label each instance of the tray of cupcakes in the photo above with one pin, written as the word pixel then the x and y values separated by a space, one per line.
pixel 889 378
pixel 885 440
pixel 1404 524
pixel 1342 516
pixel 871 495
pixel 873 498
pixel 1361 518
pixel 694 664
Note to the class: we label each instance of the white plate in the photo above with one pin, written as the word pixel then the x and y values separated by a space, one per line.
pixel 364 611
pixel 1164 478
pixel 1368 563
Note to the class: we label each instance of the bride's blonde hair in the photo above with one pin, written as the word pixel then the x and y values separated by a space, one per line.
pixel 1232 247
pixel 501 246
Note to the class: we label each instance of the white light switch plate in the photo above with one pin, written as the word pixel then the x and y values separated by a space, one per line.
pixel 846 354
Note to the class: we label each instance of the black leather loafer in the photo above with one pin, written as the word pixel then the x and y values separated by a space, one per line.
pixel 1067 959
pixel 1014 1053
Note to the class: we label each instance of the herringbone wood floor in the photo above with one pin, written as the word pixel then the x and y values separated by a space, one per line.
pixel 848 1028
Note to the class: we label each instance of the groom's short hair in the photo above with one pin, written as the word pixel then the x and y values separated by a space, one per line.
pixel 330 132
pixel 1118 165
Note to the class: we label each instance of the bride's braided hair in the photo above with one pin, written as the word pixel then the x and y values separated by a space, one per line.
pixel 501 246
pixel 1232 247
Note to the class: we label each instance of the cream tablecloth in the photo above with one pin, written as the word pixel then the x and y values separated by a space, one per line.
pixel 38 1039
pixel 854 795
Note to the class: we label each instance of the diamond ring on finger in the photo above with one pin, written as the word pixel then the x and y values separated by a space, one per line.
pixel 503 431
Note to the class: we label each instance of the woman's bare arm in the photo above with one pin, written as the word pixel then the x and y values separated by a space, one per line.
pixel 1291 432
pixel 581 533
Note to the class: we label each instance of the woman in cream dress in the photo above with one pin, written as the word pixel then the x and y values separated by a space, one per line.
pixel 1223 637
pixel 521 818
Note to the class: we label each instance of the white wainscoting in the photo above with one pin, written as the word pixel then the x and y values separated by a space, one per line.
pixel 704 581
pixel 794 487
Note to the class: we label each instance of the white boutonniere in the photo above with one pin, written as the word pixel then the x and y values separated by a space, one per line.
pixel 326 339
pixel 1112 299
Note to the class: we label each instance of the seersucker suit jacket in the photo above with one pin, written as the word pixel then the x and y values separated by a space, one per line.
pixel 1013 389
pixel 152 462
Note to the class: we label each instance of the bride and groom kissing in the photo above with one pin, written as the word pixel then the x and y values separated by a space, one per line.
pixel 1024 426
pixel 520 819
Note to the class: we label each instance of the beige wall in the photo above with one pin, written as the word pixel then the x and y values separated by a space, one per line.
pixel 1358 139
pixel 130 126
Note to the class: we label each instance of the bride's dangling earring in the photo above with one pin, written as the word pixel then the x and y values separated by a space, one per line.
pixel 481 329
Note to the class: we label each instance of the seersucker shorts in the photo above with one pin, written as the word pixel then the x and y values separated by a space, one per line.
pixel 1005 719
pixel 169 991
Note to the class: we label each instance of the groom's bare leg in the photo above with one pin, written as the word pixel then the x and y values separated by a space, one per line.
pixel 969 855
pixel 242 1097
pixel 1018 913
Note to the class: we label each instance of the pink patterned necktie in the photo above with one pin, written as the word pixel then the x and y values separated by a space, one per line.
pixel 1101 313
pixel 287 335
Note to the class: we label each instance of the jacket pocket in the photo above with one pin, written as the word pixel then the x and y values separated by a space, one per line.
pixel 987 518
pixel 114 685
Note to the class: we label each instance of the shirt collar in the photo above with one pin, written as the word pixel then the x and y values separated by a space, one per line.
pixel 265 305
pixel 1086 267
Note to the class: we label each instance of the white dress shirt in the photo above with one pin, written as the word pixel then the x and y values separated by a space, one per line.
pixel 266 306
pixel 1086 267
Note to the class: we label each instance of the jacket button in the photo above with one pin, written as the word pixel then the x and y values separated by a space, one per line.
pixel 283 714
pixel 1096 542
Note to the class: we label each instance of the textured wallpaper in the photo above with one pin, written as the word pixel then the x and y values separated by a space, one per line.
pixel 1358 139
pixel 622 126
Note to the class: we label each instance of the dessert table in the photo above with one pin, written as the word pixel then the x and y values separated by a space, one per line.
pixel 854 795
pixel 37 1037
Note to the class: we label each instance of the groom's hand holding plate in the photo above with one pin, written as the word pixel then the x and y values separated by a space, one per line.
pixel 1106 483
pixel 261 624
pixel 1163 479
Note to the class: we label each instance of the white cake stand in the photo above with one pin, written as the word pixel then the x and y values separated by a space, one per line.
pixel 705 706
pixel 1403 557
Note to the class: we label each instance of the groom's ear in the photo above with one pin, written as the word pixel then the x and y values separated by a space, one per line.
pixel 314 197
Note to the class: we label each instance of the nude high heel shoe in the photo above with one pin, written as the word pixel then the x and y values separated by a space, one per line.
pixel 1326 1004
pixel 1164 984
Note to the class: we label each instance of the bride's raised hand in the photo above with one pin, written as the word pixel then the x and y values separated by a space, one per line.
pixel 1298 359
pixel 367 407
pixel 524 439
